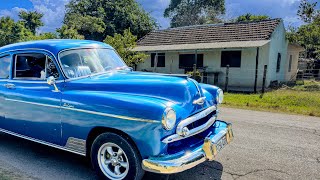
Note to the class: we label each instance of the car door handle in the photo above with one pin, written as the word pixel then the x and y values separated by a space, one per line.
pixel 10 86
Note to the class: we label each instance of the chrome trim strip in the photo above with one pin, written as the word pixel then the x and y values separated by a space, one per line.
pixel 88 111
pixel 15 80
pixel 112 115
pixel 33 103
pixel 192 132
pixel 42 142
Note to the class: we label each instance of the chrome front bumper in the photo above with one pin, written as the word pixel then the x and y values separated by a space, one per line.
pixel 185 160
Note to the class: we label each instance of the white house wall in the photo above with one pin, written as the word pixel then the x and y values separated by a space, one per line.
pixel 294 65
pixel 278 44
pixel 242 77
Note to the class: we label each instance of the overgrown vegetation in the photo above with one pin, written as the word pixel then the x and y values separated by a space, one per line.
pixel 250 17
pixel 302 99
pixel 124 45
pixel 307 35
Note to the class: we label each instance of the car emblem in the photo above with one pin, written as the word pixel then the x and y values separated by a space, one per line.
pixel 199 101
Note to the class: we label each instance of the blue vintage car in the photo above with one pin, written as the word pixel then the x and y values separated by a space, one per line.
pixel 79 96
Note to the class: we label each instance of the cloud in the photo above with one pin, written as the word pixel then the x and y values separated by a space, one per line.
pixel 156 9
pixel 285 9
pixel 13 13
pixel 53 11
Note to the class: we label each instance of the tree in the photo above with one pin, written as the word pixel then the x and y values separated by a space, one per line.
pixel 66 32
pixel 31 20
pixel 47 35
pixel 96 19
pixel 12 32
pixel 307 11
pixel 124 45
pixel 308 35
pixel 194 12
pixel 250 17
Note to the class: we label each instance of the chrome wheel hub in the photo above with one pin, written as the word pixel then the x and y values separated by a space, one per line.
pixel 113 162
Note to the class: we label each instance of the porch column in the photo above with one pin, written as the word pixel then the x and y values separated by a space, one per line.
pixel 256 73
pixel 155 62
pixel 196 62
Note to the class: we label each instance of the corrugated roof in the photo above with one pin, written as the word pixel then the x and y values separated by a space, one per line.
pixel 202 46
pixel 212 33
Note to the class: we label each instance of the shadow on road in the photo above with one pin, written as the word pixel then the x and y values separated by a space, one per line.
pixel 43 162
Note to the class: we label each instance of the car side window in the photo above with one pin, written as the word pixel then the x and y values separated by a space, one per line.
pixel 35 66
pixel 5 66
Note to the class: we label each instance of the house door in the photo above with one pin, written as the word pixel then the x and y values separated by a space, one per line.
pixel 31 101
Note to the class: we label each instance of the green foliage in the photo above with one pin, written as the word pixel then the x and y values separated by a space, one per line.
pixel 12 32
pixel 96 19
pixel 124 45
pixel 250 17
pixel 307 35
pixel 31 20
pixel 66 32
pixel 194 12
pixel 48 35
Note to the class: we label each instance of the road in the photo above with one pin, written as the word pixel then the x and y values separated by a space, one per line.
pixel 266 146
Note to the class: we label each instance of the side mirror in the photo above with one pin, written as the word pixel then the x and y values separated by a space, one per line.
pixel 52 82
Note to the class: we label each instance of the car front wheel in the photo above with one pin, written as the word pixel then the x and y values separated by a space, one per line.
pixel 114 158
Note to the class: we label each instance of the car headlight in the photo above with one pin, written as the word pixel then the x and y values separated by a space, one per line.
pixel 219 97
pixel 169 119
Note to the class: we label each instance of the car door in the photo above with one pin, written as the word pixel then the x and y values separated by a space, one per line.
pixel 5 62
pixel 31 100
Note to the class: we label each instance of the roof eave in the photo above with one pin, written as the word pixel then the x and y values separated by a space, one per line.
pixel 202 46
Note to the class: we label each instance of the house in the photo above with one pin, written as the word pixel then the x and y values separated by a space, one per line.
pixel 245 47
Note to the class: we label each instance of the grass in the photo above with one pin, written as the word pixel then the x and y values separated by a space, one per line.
pixel 303 99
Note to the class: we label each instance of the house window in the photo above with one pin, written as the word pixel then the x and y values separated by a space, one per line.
pixel 231 58
pixel 278 62
pixel 290 64
pixel 4 67
pixel 161 59
pixel 34 66
pixel 186 61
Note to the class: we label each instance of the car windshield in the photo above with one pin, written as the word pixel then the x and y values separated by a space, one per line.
pixel 85 62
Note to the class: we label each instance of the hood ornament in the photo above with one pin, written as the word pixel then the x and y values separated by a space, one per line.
pixel 199 101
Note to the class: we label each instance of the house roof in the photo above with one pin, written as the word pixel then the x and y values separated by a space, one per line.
pixel 214 34
pixel 203 46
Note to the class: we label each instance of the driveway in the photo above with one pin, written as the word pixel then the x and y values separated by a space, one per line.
pixel 266 146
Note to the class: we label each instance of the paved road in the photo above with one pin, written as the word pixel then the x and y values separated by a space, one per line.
pixel 266 146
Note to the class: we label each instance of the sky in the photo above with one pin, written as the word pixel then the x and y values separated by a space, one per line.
pixel 53 10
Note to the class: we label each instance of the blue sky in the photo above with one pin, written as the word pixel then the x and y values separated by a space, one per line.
pixel 54 10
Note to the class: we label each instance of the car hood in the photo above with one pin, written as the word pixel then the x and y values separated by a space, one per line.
pixel 173 89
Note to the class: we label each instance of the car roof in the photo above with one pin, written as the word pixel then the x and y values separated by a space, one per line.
pixel 54 45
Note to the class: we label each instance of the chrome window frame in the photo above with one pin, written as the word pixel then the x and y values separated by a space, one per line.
pixel 29 78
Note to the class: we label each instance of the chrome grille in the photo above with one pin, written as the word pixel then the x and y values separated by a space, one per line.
pixel 206 118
